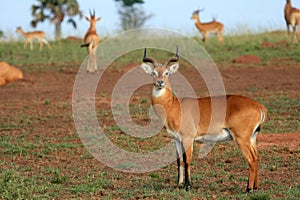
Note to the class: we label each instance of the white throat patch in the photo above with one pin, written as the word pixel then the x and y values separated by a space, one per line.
pixel 158 92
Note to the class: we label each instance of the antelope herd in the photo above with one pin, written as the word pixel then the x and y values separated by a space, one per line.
pixel 91 38
pixel 244 117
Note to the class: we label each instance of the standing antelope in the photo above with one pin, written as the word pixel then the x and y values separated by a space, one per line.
pixel 243 120
pixel 29 36
pixel 206 28
pixel 292 17
pixel 91 40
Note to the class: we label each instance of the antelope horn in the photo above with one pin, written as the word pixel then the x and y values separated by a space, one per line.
pixel 91 13
pixel 172 59
pixel 94 14
pixel 196 12
pixel 147 59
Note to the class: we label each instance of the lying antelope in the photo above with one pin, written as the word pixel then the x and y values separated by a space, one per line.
pixel 206 28
pixel 292 17
pixel 9 73
pixel 91 40
pixel 243 120
pixel 29 36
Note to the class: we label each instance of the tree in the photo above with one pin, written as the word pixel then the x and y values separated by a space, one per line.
pixel 130 2
pixel 55 11
pixel 132 15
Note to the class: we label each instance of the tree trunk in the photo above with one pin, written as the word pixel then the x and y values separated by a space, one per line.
pixel 58 30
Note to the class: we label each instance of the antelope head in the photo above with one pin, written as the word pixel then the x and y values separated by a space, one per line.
pixel 160 72
pixel 195 14
pixel 19 29
pixel 93 18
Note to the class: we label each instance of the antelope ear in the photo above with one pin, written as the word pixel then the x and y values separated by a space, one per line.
pixel 98 19
pixel 87 18
pixel 173 68
pixel 147 68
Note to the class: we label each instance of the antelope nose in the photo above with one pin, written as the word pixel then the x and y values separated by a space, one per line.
pixel 159 82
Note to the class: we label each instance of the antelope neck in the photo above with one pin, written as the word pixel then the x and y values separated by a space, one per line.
pixel 197 20
pixel 199 24
pixel 22 32
pixel 163 96
pixel 92 27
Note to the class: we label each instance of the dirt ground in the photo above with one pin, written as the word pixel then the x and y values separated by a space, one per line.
pixel 265 80
pixel 58 87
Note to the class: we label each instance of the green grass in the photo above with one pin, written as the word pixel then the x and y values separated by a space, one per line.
pixel 235 46
pixel 42 161
pixel 64 54
pixel 283 113
pixel 67 55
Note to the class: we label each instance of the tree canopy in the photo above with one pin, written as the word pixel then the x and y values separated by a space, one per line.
pixel 132 14
pixel 130 3
pixel 55 11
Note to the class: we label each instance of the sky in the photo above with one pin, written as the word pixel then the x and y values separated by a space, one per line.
pixel 238 16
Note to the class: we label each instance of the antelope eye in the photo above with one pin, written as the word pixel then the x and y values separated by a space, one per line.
pixel 153 73
pixel 167 73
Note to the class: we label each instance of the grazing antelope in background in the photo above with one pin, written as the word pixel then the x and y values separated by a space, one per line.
pixel 292 17
pixel 29 36
pixel 206 28
pixel 243 120
pixel 91 41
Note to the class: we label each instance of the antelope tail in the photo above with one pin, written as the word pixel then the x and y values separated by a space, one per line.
pixel 85 45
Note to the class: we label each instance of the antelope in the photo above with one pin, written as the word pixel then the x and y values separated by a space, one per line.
pixel 244 118
pixel 9 73
pixel 29 36
pixel 206 28
pixel 91 40
pixel 292 17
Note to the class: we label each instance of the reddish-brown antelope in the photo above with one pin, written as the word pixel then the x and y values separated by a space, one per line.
pixel 29 36
pixel 292 17
pixel 9 73
pixel 243 120
pixel 91 41
pixel 206 28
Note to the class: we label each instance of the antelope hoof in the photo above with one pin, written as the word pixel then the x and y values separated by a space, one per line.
pixel 179 185
pixel 250 190
pixel 187 187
